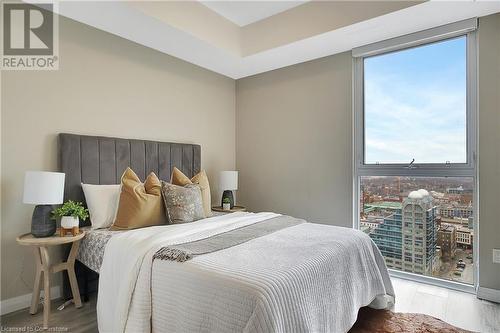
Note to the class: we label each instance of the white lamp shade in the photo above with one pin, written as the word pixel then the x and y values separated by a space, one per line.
pixel 43 188
pixel 228 180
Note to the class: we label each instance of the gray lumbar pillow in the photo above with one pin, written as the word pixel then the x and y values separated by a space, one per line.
pixel 182 203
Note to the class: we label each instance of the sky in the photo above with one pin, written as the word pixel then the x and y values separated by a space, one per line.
pixel 415 104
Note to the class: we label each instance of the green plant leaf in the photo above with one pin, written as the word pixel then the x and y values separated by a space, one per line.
pixel 71 208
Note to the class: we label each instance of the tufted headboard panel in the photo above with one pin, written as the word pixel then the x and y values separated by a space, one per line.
pixel 102 160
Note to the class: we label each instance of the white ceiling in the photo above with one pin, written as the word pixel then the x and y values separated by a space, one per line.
pixel 245 12
pixel 119 18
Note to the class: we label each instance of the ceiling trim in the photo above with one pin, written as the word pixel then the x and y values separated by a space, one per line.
pixel 122 20
pixel 243 13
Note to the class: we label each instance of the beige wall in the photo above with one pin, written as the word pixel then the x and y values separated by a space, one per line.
pixel 105 86
pixel 489 149
pixel 293 140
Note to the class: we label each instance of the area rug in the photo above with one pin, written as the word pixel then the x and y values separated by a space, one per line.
pixel 385 321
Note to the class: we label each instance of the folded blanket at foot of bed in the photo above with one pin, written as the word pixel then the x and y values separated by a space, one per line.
pixel 186 251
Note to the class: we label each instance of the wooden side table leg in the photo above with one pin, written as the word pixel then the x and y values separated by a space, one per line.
pixel 46 285
pixel 71 274
pixel 35 298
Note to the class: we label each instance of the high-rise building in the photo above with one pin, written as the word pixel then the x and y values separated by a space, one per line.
pixel 464 237
pixel 407 237
pixel 387 236
pixel 419 232
pixel 447 240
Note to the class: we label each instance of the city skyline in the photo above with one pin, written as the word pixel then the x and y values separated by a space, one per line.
pixel 413 219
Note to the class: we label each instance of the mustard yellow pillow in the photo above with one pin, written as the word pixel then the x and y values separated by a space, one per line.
pixel 141 205
pixel 200 179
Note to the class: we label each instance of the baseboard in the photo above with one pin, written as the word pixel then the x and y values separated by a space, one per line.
pixel 24 301
pixel 488 294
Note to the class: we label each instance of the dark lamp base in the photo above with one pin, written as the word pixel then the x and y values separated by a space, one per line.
pixel 227 194
pixel 41 224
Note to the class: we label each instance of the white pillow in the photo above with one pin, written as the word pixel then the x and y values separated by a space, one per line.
pixel 102 202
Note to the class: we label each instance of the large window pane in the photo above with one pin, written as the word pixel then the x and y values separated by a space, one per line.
pixel 415 104
pixel 421 225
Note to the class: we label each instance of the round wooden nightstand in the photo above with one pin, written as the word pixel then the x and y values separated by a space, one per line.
pixel 232 210
pixel 45 266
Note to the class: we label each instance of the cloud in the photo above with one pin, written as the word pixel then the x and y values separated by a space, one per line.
pixel 422 118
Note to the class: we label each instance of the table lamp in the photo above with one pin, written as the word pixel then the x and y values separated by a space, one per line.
pixel 43 189
pixel 228 182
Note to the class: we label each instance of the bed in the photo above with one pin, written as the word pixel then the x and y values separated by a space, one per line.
pixel 301 277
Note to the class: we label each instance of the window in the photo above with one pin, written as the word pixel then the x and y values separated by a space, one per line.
pixel 415 170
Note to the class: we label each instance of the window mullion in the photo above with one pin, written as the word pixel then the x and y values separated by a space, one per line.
pixel 418 172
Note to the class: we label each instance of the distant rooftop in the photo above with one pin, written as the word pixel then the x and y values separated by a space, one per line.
pixel 383 205
pixel 447 227
pixel 457 227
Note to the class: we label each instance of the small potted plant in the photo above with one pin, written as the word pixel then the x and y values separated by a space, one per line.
pixel 70 213
pixel 226 204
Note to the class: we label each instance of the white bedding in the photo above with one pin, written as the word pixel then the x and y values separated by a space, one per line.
pixel 308 277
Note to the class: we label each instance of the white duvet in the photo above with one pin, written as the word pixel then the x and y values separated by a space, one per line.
pixel 306 278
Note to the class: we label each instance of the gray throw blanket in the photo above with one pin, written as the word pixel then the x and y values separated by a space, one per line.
pixel 186 251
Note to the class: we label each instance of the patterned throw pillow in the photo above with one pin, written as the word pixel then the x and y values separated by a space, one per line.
pixel 201 179
pixel 183 203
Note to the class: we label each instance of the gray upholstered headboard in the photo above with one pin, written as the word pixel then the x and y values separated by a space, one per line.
pixel 102 160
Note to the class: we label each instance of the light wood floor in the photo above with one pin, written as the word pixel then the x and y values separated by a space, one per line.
pixel 457 308
pixel 70 319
